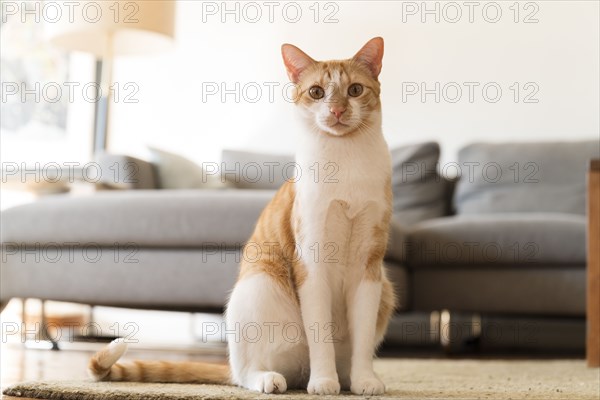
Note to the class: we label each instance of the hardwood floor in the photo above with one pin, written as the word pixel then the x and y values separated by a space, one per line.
pixel 159 335
pixel 20 364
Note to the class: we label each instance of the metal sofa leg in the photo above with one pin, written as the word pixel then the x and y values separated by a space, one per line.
pixel 42 338
pixel 459 332
pixel 43 332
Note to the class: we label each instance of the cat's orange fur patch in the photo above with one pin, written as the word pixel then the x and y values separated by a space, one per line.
pixel 274 236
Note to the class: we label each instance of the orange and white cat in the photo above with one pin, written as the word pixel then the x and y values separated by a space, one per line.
pixel 316 290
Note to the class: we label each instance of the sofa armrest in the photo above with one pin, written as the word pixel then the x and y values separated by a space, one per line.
pixel 125 172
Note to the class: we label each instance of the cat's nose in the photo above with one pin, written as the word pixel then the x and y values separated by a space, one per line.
pixel 337 111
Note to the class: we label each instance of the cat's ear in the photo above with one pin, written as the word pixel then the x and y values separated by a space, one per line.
pixel 371 55
pixel 295 61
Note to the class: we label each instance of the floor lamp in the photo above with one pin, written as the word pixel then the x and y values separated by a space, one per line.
pixel 108 29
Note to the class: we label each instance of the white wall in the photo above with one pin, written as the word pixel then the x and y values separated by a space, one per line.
pixel 559 54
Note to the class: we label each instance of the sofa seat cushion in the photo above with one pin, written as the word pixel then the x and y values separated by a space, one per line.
pixel 146 218
pixel 493 239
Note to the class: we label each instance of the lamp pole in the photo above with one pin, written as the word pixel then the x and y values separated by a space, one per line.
pixel 104 72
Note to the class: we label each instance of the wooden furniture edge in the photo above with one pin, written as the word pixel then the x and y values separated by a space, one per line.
pixel 593 265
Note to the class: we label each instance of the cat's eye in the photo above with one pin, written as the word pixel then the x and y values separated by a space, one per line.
pixel 355 90
pixel 316 92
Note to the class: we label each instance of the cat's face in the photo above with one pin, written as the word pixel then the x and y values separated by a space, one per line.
pixel 337 97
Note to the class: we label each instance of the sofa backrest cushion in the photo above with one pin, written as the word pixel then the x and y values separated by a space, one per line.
pixel 524 177
pixel 252 170
pixel 419 192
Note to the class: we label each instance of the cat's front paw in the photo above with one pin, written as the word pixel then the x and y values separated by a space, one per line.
pixel 323 386
pixel 367 386
pixel 270 382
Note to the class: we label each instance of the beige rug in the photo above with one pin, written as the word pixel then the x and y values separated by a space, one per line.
pixel 405 379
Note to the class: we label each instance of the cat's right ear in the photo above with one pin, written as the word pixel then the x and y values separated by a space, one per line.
pixel 371 55
pixel 295 60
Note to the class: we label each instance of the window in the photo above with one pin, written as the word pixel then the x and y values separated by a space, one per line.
pixel 48 96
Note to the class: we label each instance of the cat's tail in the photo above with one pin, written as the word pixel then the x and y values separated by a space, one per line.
pixel 103 367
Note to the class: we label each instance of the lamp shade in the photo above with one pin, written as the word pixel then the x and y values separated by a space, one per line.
pixel 117 27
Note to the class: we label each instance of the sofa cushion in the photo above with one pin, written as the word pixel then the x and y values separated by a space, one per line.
pixel 498 239
pixel 251 170
pixel 524 177
pixel 419 192
pixel 147 218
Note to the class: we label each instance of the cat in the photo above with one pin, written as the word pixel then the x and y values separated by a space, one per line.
pixel 316 291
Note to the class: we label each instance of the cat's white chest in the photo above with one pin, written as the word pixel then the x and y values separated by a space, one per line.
pixel 355 172
pixel 349 199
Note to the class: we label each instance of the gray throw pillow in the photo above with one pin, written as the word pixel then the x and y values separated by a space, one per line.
pixel 125 172
pixel 177 172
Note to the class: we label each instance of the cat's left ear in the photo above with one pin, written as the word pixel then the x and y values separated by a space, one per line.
pixel 295 60
pixel 371 55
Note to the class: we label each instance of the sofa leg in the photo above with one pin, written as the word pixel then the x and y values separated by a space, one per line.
pixel 444 335
pixel 459 332
pixel 42 334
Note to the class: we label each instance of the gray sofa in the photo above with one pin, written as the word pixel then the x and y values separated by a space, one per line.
pixel 498 249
